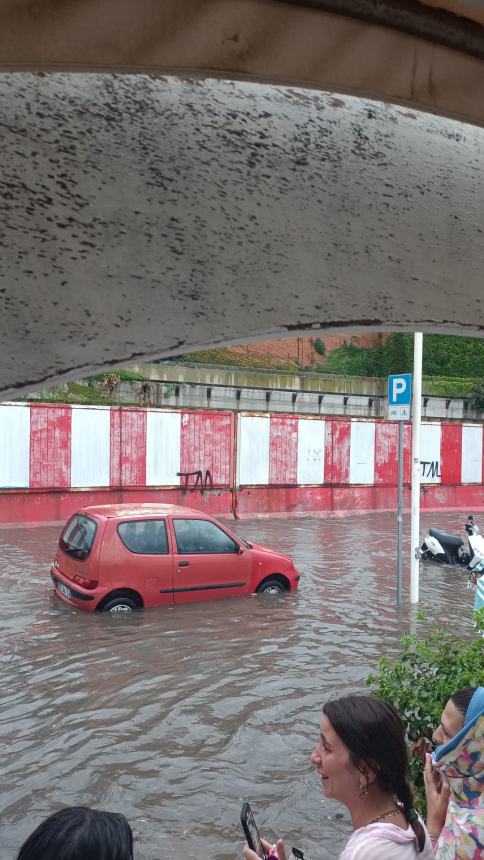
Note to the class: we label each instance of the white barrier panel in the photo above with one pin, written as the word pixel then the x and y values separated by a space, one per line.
pixel 430 463
pixel 362 452
pixel 310 451
pixel 253 450
pixel 163 431
pixel 14 446
pixel 90 447
pixel 471 454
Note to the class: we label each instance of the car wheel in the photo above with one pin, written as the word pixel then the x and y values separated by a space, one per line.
pixel 120 605
pixel 271 586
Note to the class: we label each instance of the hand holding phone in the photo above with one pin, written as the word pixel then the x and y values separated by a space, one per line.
pixel 252 836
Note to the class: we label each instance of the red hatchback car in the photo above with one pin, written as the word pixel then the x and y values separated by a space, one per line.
pixel 117 558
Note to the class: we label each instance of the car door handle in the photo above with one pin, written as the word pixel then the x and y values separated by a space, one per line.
pixel 183 564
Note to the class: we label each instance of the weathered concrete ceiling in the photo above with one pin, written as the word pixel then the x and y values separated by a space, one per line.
pixel 427 55
pixel 142 216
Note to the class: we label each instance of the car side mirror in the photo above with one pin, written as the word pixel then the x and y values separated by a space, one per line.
pixel 239 550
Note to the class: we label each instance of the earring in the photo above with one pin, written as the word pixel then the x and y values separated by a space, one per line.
pixel 363 787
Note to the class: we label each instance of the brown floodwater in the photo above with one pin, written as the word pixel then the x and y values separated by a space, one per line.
pixel 174 716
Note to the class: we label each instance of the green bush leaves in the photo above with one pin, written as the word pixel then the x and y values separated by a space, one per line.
pixel 420 681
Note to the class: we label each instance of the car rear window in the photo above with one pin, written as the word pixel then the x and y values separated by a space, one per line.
pixel 78 536
pixel 144 536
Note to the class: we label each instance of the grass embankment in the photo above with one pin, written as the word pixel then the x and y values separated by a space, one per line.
pixel 97 390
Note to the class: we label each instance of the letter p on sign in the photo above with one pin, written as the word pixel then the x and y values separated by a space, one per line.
pixel 399 386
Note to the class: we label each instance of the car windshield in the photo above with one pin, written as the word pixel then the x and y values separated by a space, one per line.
pixel 78 536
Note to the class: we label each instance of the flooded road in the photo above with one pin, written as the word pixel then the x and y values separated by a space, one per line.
pixel 175 715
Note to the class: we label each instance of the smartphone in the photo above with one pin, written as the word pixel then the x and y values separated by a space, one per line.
pixel 249 827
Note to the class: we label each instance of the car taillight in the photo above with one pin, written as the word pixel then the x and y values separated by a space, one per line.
pixel 85 582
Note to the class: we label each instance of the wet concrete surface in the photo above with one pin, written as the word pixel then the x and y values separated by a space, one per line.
pixel 175 715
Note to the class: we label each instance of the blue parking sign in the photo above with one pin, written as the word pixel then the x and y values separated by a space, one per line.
pixel 399 396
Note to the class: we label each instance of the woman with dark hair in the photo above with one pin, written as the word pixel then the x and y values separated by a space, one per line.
pixel 454 778
pixel 79 833
pixel 361 758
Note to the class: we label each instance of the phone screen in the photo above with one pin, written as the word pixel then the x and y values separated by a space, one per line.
pixel 251 833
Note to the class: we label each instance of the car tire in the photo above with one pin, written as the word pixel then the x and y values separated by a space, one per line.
pixel 271 587
pixel 120 606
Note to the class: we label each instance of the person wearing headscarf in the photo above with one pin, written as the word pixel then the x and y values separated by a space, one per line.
pixel 459 763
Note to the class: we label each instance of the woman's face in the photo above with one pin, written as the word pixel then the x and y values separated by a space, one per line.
pixel 331 758
pixel 451 722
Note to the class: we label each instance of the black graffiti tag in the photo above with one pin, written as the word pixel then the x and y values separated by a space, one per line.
pixel 203 483
pixel 432 467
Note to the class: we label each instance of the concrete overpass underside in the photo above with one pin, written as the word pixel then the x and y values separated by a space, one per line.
pixel 184 174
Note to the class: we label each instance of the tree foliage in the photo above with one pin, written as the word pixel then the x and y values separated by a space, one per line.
pixel 443 355
pixel 419 682
pixel 319 346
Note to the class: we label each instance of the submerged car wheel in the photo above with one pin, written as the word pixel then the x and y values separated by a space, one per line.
pixel 272 586
pixel 120 605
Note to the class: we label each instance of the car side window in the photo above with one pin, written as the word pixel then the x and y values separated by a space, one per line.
pixel 202 536
pixel 146 537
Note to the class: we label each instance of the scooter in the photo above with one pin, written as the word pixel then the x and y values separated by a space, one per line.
pixel 446 547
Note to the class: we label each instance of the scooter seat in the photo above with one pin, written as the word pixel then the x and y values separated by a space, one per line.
pixel 446 538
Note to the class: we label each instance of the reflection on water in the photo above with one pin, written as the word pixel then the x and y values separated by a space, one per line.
pixel 175 715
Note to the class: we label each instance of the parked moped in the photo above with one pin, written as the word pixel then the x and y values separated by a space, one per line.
pixel 445 547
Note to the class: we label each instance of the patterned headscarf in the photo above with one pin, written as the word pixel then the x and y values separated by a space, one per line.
pixel 461 763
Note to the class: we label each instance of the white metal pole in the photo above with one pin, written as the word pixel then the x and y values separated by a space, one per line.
pixel 400 513
pixel 416 422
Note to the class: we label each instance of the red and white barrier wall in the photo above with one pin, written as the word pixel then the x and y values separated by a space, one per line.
pixel 55 458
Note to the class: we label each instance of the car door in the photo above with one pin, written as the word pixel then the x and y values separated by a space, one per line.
pixel 138 556
pixel 208 563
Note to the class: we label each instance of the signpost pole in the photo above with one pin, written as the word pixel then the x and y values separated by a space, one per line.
pixel 400 512
pixel 399 400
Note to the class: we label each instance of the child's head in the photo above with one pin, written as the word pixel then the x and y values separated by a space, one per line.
pixel 79 833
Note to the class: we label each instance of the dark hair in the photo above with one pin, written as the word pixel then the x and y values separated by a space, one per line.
pixel 373 733
pixel 79 833
pixel 462 699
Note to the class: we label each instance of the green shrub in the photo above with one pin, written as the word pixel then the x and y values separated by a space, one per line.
pixel 478 616
pixel 478 396
pixel 448 386
pixel 443 356
pixel 75 393
pixel 420 681
pixel 123 376
pixel 319 346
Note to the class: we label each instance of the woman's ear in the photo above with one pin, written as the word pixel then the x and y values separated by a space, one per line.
pixel 369 771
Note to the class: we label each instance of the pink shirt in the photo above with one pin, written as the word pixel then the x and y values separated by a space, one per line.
pixel 383 841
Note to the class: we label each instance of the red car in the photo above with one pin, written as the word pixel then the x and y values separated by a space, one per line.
pixel 117 558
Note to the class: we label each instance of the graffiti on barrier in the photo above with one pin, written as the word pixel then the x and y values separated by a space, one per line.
pixel 204 483
pixel 430 469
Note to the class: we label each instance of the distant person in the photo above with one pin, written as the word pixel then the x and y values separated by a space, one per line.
pixel 79 833
pixel 454 779
pixel 470 526
pixel 362 760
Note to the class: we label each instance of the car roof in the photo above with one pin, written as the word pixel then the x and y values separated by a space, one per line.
pixel 139 510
